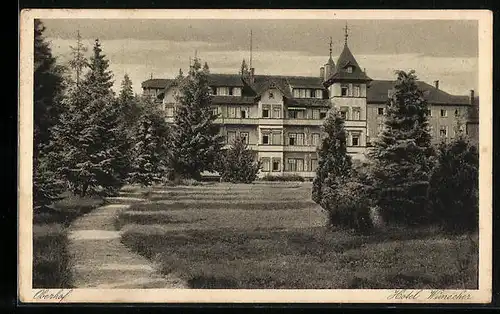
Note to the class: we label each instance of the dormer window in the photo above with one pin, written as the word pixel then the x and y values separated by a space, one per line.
pixel 236 91
pixel 349 69
pixel 223 91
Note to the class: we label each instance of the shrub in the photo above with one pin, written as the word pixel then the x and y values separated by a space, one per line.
pixel 284 177
pixel 454 186
pixel 348 204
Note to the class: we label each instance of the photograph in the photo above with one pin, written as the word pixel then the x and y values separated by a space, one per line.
pixel 268 156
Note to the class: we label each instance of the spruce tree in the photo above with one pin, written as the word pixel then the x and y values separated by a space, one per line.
pixel 238 163
pixel 48 88
pixel 402 155
pixel 130 104
pixel 196 142
pixel 150 147
pixel 454 186
pixel 334 162
pixel 90 141
pixel 79 61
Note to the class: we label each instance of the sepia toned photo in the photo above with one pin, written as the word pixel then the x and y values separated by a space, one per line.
pixel 267 156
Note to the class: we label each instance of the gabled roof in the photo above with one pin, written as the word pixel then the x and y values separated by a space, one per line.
pixel 232 99
pixel 225 80
pixel 263 83
pixel 346 59
pixel 156 83
pixel 378 93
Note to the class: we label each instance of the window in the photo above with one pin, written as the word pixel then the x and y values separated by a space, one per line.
pixel 307 93
pixel 344 113
pixel 296 93
pixel 456 112
pixel 215 111
pixel 276 164
pixel 355 140
pixel 243 113
pixel 244 137
pixel 236 91
pixel 265 111
pixel 271 95
pixel 357 91
pixel 170 111
pixel 443 113
pixel 380 111
pixel 296 139
pixel 292 137
pixel 356 113
pixel 276 138
pixel 322 114
pixel 349 69
pixel 223 91
pixel 232 112
pixel 315 139
pixel 295 164
pixel 318 94
pixel 276 112
pixel 429 112
pixel 231 136
pixel 265 164
pixel 265 139
pixel 300 138
pixel 315 114
pixel 314 164
pixel 344 90
pixel 443 131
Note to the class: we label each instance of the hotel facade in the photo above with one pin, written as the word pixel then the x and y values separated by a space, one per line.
pixel 281 117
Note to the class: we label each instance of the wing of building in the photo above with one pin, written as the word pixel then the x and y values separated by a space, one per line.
pixel 280 117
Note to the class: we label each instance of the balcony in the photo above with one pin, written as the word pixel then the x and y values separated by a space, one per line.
pixel 299 148
pixel 270 148
pixel 243 121
pixel 314 122
pixel 355 123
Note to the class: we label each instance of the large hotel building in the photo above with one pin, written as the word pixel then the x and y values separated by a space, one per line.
pixel 280 117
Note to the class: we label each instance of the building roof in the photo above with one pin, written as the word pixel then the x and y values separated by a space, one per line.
pixel 233 99
pixel 223 80
pixel 156 83
pixel 378 93
pixel 346 59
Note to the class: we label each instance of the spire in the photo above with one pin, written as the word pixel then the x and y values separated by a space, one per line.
pixel 331 43
pixel 346 33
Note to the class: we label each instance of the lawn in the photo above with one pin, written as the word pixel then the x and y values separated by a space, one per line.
pixel 271 235
pixel 51 261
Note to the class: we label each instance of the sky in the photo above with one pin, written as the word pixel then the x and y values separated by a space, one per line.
pixel 437 50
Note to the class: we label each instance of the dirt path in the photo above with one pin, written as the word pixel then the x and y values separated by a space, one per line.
pixel 100 260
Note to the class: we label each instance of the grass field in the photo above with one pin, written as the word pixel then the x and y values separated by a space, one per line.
pixel 270 235
pixel 51 261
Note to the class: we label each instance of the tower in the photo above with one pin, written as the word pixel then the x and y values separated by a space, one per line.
pixel 347 89
pixel 329 67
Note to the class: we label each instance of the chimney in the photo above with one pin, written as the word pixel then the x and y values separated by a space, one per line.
pixel 436 84
pixel 471 97
pixel 322 72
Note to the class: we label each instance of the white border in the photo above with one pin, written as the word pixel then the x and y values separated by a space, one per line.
pixel 26 293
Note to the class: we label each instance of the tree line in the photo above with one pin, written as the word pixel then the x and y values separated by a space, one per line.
pixel 405 180
pixel 91 142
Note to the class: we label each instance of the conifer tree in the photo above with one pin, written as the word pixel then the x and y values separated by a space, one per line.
pixel 334 162
pixel 196 142
pixel 454 186
pixel 149 152
pixel 129 104
pixel 90 142
pixel 402 155
pixel 49 86
pixel 238 163
pixel 79 61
